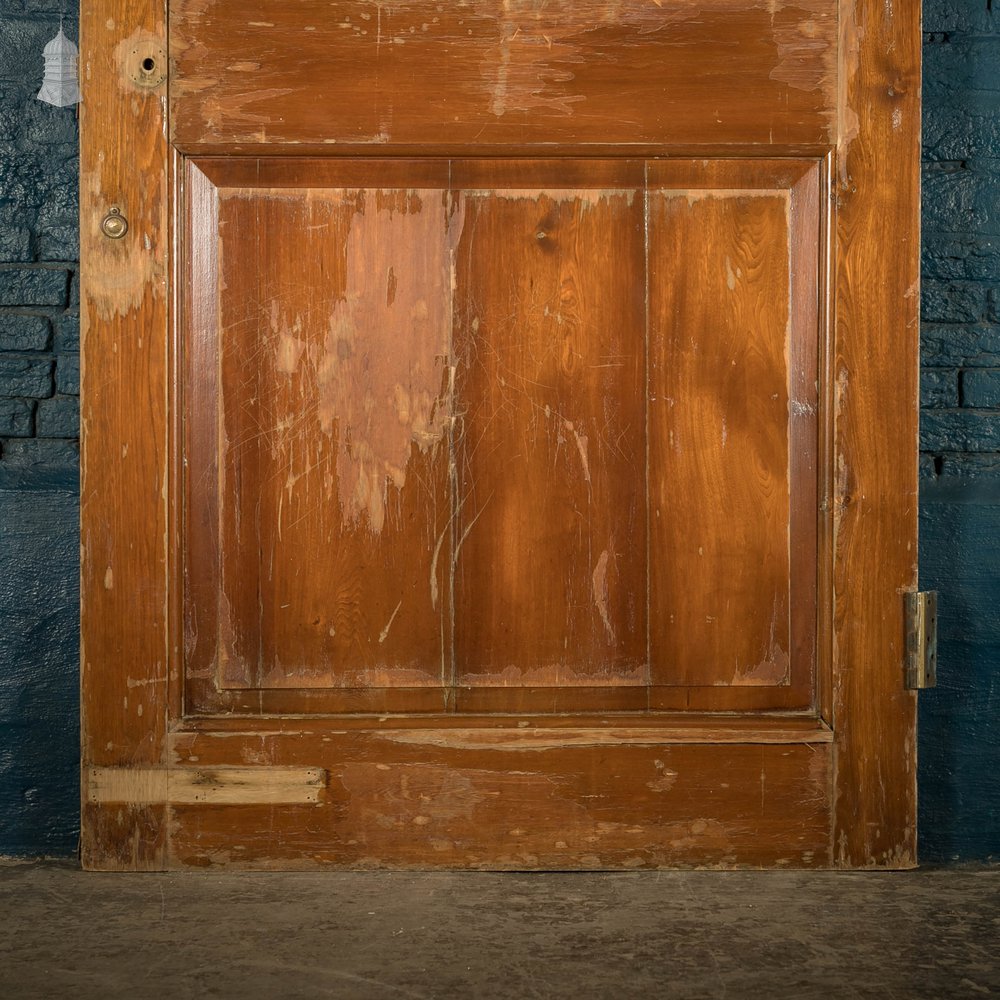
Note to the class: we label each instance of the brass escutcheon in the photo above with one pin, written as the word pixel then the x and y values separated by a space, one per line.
pixel 114 225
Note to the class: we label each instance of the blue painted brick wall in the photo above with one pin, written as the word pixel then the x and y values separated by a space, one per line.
pixel 960 389
pixel 959 742
pixel 39 420
pixel 38 244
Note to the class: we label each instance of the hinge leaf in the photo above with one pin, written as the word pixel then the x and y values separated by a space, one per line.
pixel 921 639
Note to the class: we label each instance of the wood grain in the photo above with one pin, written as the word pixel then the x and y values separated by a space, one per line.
pixel 654 727
pixel 511 139
pixel 733 401
pixel 549 584
pixel 524 449
pixel 334 424
pixel 216 785
pixel 447 803
pixel 125 647
pixel 719 331
pixel 510 73
pixel 875 384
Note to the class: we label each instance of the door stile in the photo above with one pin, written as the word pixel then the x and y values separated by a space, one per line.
pixel 124 442
pixel 875 408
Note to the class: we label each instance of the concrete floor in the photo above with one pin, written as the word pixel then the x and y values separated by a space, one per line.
pixel 764 936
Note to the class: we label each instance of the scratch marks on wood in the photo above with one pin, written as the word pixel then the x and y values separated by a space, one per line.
pixel 290 343
pixel 536 54
pixel 600 584
pixel 726 584
pixel 123 275
pixel 805 37
pixel 665 778
pixel 387 397
pixel 434 420
pixel 388 625
pixel 581 447
pixel 773 667
pixel 552 436
pixel 848 123
pixel 506 71
pixel 335 415
pixel 542 738
pixel 401 797
pixel 567 671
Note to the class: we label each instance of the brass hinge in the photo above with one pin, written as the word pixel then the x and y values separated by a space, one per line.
pixel 921 639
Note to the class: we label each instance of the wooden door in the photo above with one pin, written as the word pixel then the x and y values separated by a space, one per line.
pixel 499 433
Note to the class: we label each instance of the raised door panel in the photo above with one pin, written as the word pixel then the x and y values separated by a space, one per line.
pixel 550 572
pixel 317 436
pixel 733 405
pixel 501 436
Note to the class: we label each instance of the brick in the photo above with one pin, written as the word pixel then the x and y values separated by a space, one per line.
pixel 46 125
pixel 959 430
pixel 68 374
pixel 58 242
pixel 971 466
pixel 964 67
pixel 21 42
pixel 961 197
pixel 981 388
pixel 976 345
pixel 58 417
pixel 43 453
pixel 33 286
pixel 10 118
pixel 961 130
pixel 15 242
pixel 17 417
pixel 928 466
pixel 58 7
pixel 938 387
pixel 24 332
pixel 67 332
pixel 21 182
pixel 55 226
pixel 953 302
pixel 968 16
pixel 30 377
pixel 951 257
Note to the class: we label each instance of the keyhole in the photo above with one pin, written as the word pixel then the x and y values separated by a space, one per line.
pixel 148 64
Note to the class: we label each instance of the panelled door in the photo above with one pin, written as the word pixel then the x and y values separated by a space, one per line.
pixel 499 433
